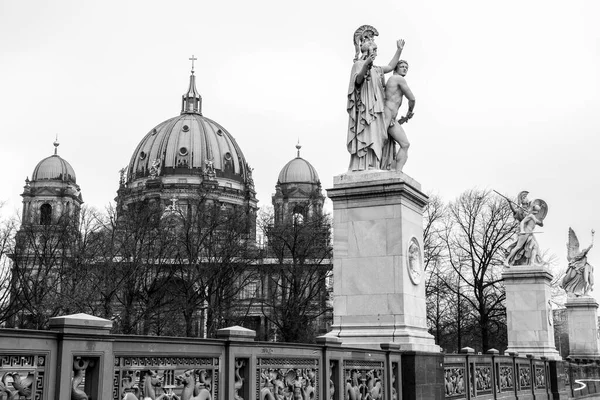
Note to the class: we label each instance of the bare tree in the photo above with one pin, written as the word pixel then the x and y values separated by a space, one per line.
pixel 478 229
pixel 44 265
pixel 8 226
pixel 295 296
pixel 215 260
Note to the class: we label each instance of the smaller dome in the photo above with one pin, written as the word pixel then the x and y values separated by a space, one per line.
pixel 54 168
pixel 298 171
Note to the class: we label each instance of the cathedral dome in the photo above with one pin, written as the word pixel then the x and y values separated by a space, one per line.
pixel 54 168
pixel 186 145
pixel 298 171
pixel 184 153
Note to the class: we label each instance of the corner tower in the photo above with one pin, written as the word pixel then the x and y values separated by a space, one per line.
pixel 298 191
pixel 52 195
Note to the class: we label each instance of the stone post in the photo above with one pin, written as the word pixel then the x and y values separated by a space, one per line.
pixel 379 285
pixel 582 317
pixel 237 361
pixel 528 311
pixel 84 350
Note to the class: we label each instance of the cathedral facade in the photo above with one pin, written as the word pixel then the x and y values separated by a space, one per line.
pixel 178 256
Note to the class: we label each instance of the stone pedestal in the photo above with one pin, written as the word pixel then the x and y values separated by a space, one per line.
pixel 379 287
pixel 529 312
pixel 582 316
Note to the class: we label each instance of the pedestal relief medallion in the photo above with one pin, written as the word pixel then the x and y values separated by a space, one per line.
pixel 414 261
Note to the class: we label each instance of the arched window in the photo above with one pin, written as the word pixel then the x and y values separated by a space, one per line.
pixel 45 214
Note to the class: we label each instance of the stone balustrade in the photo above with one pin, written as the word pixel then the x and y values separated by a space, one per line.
pixel 79 359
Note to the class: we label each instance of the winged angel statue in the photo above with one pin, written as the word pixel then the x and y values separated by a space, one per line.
pixel 579 277
pixel 525 249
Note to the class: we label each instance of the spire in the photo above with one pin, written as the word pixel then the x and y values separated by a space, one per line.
pixel 191 101
pixel 56 144
pixel 298 147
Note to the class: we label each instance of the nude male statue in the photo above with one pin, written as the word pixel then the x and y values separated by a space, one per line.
pixel 396 89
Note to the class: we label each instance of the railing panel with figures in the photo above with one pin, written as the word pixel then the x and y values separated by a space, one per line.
pixel 491 376
pixel 282 371
pixel 82 361
pixel 167 368
pixel 26 358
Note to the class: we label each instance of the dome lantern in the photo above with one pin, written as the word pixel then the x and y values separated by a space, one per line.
pixel 191 101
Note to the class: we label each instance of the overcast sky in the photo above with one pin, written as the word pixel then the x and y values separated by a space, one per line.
pixel 507 92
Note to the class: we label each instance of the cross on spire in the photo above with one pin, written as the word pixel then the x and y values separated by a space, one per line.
pixel 192 60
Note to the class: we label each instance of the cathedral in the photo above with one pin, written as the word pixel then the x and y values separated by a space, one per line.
pixel 184 171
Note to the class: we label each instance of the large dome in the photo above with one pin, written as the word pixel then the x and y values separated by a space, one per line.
pixel 298 171
pixel 185 156
pixel 54 168
pixel 186 145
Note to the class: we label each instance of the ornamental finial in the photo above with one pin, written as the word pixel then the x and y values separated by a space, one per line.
pixel 298 146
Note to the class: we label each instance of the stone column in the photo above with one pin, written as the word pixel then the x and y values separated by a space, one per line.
pixel 379 287
pixel 528 311
pixel 84 348
pixel 582 317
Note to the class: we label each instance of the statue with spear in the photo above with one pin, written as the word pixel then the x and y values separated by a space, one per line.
pixel 525 249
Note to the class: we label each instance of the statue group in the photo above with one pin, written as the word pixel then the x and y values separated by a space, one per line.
pixel 373 105
pixel 578 279
pixel 525 249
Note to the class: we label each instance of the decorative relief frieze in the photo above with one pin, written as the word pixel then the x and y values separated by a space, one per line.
pixel 22 376
pixel 282 379
pixel 363 380
pixel 524 376
pixel 162 378
pixel 506 378
pixel 454 381
pixel 540 377
pixel 483 378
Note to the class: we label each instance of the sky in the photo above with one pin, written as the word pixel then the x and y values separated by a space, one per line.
pixel 507 93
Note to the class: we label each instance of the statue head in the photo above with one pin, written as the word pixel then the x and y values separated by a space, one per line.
pixel 401 68
pixel 362 36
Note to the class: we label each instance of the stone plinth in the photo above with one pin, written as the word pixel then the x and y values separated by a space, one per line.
pixel 379 289
pixel 582 315
pixel 529 312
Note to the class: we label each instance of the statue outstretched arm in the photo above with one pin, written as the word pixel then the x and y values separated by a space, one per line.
pixel 394 61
